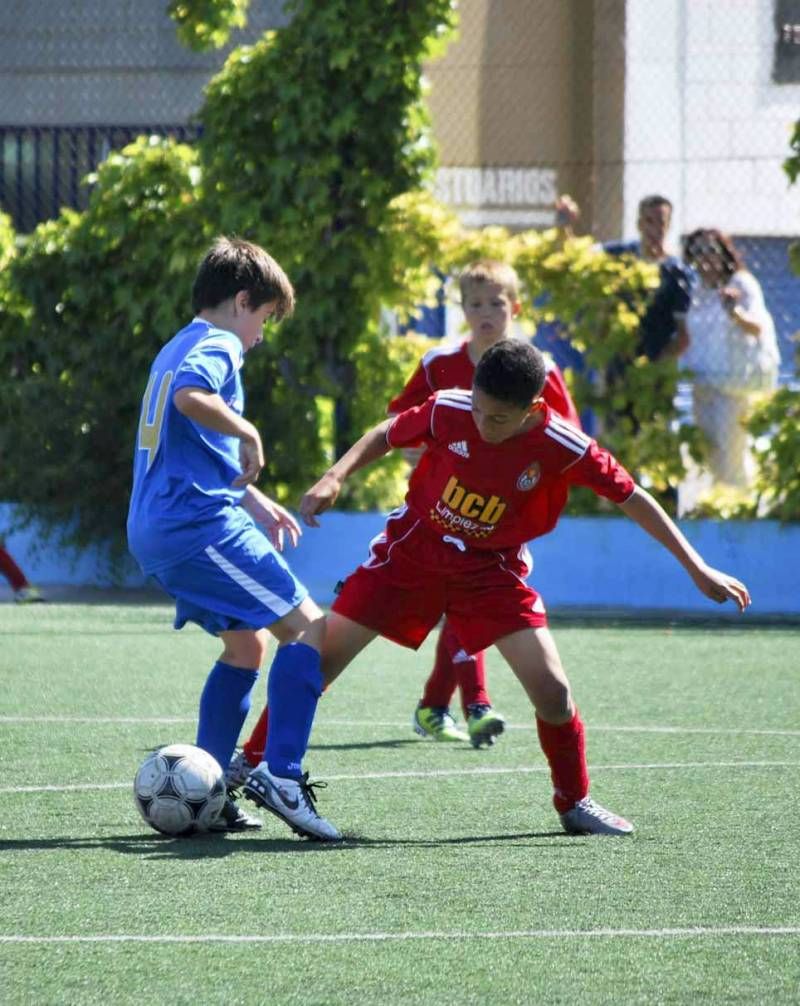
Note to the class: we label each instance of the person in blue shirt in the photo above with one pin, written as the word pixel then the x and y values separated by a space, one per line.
pixel 199 526
pixel 662 330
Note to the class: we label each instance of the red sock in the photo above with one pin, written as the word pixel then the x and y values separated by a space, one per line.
pixel 11 571
pixel 564 747
pixel 471 674
pixel 455 669
pixel 443 680
pixel 257 741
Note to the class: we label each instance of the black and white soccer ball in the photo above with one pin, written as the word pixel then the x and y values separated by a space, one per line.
pixel 179 789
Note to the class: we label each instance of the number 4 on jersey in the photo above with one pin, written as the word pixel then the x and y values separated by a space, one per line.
pixel 150 429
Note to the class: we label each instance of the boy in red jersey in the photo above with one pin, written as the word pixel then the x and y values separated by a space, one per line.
pixel 490 299
pixel 460 538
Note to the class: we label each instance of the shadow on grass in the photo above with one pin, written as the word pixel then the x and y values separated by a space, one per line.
pixel 390 743
pixel 217 846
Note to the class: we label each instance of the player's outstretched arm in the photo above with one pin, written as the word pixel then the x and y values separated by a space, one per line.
pixel 322 495
pixel 650 516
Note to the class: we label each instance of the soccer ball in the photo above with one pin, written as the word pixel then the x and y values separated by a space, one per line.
pixel 179 789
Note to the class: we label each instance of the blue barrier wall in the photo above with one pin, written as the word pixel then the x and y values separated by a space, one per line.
pixel 585 562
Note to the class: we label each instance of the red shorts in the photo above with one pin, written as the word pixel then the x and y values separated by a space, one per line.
pixel 413 576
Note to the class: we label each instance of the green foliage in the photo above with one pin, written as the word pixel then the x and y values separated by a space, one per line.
pixel 792 164
pixel 383 364
pixel 315 144
pixel 307 138
pixel 597 301
pixel 207 24
pixel 7 240
pixel 87 304
pixel 777 421
pixel 724 502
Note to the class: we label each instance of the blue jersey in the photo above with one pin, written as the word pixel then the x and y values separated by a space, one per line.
pixel 182 499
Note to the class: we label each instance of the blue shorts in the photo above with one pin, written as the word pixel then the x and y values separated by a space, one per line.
pixel 240 582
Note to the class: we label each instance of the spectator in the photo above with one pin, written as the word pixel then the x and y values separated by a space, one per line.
pixel 662 331
pixel 732 353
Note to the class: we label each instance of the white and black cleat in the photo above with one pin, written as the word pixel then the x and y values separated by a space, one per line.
pixel 292 800
pixel 232 817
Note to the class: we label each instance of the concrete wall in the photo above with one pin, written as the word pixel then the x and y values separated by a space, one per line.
pixel 612 100
pixel 504 105
pixel 105 62
pixel 595 562
pixel 704 122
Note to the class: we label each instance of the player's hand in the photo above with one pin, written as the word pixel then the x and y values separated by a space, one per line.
pixel 319 498
pixel 251 458
pixel 567 211
pixel 275 520
pixel 730 296
pixel 720 587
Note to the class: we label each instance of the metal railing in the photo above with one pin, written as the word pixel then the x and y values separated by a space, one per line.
pixel 43 168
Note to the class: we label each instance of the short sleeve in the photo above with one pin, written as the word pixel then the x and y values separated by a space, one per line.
pixel 599 470
pixel 414 393
pixel 618 248
pixel 557 396
pixel 752 298
pixel 413 426
pixel 210 363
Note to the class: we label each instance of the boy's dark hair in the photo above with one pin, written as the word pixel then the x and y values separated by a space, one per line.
pixel 648 202
pixel 511 371
pixel 489 271
pixel 231 265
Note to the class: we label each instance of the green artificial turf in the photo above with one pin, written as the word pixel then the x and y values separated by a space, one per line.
pixel 455 884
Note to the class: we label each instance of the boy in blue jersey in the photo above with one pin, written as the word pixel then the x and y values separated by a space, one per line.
pixel 198 525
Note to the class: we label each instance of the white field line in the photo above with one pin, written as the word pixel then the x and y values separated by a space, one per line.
pixel 677 932
pixel 448 773
pixel 325 722
pixel 98 719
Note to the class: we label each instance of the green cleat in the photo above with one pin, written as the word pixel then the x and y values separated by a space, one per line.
pixel 437 723
pixel 484 725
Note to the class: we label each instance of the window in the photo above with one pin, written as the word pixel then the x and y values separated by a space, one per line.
pixel 786 62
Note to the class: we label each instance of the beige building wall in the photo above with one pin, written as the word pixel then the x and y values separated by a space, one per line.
pixel 528 102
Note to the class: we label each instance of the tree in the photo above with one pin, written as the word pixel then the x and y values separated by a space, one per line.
pixel 307 138
pixel 83 308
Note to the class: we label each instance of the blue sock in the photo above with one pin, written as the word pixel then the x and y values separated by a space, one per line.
pixel 293 690
pixel 224 706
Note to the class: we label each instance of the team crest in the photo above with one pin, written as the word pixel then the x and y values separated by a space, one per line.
pixel 529 477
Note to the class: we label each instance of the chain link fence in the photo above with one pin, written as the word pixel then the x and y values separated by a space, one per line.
pixel 44 168
pixel 612 101
pixel 609 100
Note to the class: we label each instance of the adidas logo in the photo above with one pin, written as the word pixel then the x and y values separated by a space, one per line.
pixel 460 448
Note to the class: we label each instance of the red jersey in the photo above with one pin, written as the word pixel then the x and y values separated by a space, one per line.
pixel 450 367
pixel 498 496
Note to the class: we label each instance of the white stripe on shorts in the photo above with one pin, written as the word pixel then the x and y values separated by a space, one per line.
pixel 272 601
